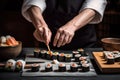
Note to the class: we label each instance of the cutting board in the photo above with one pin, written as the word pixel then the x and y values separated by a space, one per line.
pixel 104 67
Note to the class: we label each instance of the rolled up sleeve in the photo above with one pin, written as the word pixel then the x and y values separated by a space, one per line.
pixel 96 5
pixel 28 3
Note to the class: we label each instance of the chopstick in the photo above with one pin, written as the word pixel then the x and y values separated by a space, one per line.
pixel 49 49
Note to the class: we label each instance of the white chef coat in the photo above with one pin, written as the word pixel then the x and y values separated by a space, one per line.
pixel 97 5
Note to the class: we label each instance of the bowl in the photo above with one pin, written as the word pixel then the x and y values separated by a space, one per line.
pixel 7 52
pixel 111 44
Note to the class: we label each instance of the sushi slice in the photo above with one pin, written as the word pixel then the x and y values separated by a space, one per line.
pixel 110 59
pixel 85 67
pixel 77 56
pixel 35 67
pixel 81 51
pixel 49 55
pixel 37 52
pixel 55 61
pixel 83 62
pixel 48 67
pixel 68 58
pixel 61 57
pixel 55 55
pixel 10 65
pixel 43 53
pixel 20 64
pixel 74 67
pixel 82 58
pixel 74 53
pixel 116 56
pixel 62 67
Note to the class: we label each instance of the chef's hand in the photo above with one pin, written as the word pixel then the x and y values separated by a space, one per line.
pixel 43 34
pixel 64 35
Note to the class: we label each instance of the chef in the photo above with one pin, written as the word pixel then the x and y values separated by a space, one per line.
pixel 65 24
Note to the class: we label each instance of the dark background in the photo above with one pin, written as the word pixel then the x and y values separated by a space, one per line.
pixel 13 23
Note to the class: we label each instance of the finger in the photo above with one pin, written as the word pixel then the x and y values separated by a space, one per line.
pixel 45 35
pixel 56 38
pixel 60 41
pixel 49 36
pixel 66 39
pixel 40 31
pixel 70 39
pixel 36 35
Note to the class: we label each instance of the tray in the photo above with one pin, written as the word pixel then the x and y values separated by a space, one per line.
pixel 42 62
pixel 104 67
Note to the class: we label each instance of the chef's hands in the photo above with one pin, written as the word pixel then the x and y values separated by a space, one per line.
pixel 43 34
pixel 64 35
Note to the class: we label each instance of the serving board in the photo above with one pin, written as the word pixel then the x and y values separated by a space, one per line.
pixel 42 62
pixel 104 67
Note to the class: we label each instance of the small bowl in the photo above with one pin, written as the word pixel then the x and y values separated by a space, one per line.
pixel 7 52
pixel 111 44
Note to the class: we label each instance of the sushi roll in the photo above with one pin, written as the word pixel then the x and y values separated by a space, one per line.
pixel 74 53
pixel 20 64
pixel 77 56
pixel 43 53
pixel 48 67
pixel 55 55
pixel 82 58
pixel 35 67
pixel 68 58
pixel 61 57
pixel 116 56
pixel 110 59
pixel 83 62
pixel 85 67
pixel 37 52
pixel 74 67
pixel 55 61
pixel 81 51
pixel 62 67
pixel 2 39
pixel 10 65
pixel 49 55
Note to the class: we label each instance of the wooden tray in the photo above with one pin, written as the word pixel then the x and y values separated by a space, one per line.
pixel 104 67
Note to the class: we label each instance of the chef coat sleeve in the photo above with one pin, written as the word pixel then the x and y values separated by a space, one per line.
pixel 28 3
pixel 96 5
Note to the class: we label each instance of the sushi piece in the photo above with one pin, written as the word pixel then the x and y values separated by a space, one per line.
pixel 10 65
pixel 83 62
pixel 68 58
pixel 2 39
pixel 82 58
pixel 85 67
pixel 20 64
pixel 55 55
pixel 74 67
pixel 37 52
pixel 61 57
pixel 74 53
pixel 77 56
pixel 110 59
pixel 81 51
pixel 48 67
pixel 49 55
pixel 62 67
pixel 55 61
pixel 35 67
pixel 116 55
pixel 43 53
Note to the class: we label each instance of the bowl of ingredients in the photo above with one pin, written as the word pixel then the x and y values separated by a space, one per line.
pixel 111 44
pixel 9 47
